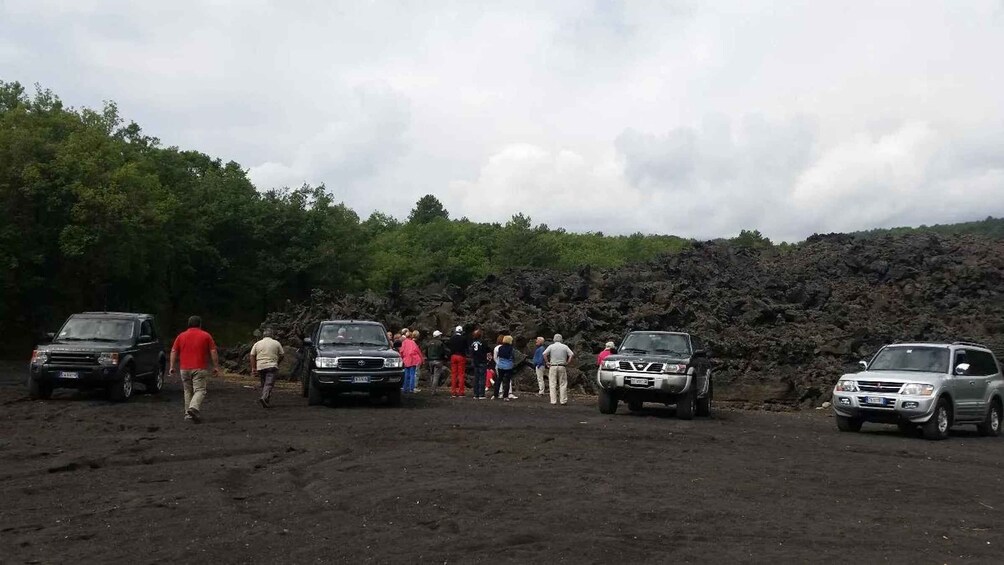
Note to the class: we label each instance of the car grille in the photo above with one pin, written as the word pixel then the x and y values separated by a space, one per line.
pixel 878 386
pixel 641 366
pixel 360 363
pixel 72 358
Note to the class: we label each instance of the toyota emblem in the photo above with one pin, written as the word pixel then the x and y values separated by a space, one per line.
pixel 362 363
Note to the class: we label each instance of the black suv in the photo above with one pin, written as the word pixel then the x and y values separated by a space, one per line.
pixel 351 356
pixel 111 350
pixel 664 367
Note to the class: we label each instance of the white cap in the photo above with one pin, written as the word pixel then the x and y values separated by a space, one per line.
pixel 437 333
pixel 459 329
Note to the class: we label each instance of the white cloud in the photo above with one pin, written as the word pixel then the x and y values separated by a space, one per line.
pixel 700 118
pixel 558 187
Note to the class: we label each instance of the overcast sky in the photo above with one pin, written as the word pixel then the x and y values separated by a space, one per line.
pixel 696 118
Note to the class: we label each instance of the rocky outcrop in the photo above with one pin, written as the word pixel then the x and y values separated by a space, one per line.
pixel 782 324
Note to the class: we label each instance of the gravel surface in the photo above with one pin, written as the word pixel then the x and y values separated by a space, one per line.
pixel 457 480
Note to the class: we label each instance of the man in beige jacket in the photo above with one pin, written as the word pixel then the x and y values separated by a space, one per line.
pixel 265 357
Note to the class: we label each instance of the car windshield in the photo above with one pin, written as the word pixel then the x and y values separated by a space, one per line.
pixel 352 334
pixel 666 344
pixel 922 359
pixel 96 329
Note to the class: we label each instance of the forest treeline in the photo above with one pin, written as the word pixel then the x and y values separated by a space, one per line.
pixel 100 216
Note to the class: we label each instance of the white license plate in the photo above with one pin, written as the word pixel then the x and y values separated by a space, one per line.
pixel 68 375
pixel 875 400
pixel 362 380
pixel 639 382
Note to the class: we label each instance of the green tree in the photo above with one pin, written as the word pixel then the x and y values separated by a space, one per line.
pixel 428 209
pixel 752 239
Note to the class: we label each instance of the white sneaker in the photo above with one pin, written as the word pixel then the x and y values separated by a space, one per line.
pixel 513 396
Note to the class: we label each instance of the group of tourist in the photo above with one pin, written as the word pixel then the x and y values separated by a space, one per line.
pixel 194 352
pixel 493 368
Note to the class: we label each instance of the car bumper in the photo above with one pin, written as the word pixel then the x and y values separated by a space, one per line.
pixel 895 408
pixel 356 381
pixel 656 383
pixel 68 376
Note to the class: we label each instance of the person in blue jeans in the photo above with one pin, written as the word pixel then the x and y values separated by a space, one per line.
pixel 506 363
pixel 480 355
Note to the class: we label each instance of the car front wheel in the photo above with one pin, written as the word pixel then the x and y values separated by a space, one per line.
pixel 121 390
pixel 704 404
pixel 941 421
pixel 846 424
pixel 686 407
pixel 38 390
pixel 607 401
pixel 394 397
pixel 314 396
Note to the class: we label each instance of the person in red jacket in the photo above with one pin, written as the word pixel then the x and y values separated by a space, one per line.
pixel 607 351
pixel 411 356
pixel 195 347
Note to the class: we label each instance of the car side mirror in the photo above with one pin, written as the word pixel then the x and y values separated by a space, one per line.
pixel 863 365
pixel 700 353
pixel 145 339
pixel 962 369
pixel 49 337
pixel 308 342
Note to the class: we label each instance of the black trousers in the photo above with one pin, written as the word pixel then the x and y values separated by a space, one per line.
pixel 503 379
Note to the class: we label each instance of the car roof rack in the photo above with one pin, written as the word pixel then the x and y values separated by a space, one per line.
pixel 970 344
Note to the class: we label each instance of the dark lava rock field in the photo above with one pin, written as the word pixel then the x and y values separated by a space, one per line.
pixel 782 324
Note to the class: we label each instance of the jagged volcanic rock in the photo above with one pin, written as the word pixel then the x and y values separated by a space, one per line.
pixel 782 324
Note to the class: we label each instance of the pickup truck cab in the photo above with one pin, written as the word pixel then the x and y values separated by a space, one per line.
pixel 654 366
pixel 349 356
pixel 110 350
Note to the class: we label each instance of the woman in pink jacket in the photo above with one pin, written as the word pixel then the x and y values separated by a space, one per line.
pixel 411 355
pixel 605 353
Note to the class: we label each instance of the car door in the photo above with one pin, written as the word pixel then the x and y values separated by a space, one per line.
pixel 979 380
pixel 147 349
pixel 963 385
pixel 701 362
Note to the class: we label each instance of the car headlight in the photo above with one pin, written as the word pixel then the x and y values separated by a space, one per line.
pixel 393 363
pixel 108 359
pixel 917 389
pixel 847 386
pixel 39 356
pixel 611 365
pixel 675 368
pixel 326 362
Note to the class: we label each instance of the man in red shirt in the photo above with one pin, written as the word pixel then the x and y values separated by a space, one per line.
pixel 194 346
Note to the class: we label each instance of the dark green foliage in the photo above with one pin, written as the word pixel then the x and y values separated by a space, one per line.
pixel 99 216
pixel 751 239
pixel 989 227
pixel 428 209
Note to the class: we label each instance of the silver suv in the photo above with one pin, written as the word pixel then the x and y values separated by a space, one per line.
pixel 931 385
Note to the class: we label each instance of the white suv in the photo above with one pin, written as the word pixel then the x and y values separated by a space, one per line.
pixel 931 385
